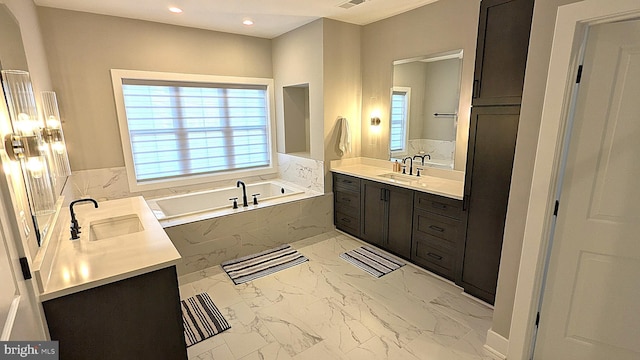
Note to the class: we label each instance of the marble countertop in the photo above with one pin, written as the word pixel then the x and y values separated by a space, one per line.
pixel 87 263
pixel 432 181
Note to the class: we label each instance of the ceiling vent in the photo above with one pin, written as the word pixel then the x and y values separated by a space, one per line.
pixel 351 3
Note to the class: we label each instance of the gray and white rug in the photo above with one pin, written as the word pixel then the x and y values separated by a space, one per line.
pixel 372 261
pixel 201 319
pixel 262 264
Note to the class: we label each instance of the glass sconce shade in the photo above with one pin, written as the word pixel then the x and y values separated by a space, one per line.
pixel 21 101
pixel 26 143
pixel 53 135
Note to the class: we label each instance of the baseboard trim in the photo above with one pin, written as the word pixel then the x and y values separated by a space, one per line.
pixel 497 344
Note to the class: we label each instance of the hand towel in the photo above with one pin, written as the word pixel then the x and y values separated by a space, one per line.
pixel 345 136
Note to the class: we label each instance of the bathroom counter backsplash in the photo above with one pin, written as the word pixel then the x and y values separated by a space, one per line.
pixel 90 261
pixel 449 183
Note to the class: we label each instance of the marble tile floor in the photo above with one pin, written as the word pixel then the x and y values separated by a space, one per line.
pixel 327 308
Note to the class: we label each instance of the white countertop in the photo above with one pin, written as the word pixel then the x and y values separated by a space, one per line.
pixel 438 185
pixel 86 263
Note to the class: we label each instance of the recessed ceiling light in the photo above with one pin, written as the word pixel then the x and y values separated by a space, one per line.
pixel 247 22
pixel 175 10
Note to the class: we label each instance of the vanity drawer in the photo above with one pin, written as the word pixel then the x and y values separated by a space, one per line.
pixel 346 183
pixel 438 204
pixel 442 227
pixel 426 252
pixel 348 201
pixel 347 223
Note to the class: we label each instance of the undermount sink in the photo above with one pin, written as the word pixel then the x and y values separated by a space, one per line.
pixel 400 178
pixel 115 226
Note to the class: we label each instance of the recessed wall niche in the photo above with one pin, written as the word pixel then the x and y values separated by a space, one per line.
pixel 296 120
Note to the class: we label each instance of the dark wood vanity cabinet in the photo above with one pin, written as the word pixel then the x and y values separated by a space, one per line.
pixel 346 203
pixel 437 233
pixel 387 216
pixel 134 318
pixel 501 52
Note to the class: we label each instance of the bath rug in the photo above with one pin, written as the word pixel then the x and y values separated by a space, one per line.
pixel 262 264
pixel 201 319
pixel 372 261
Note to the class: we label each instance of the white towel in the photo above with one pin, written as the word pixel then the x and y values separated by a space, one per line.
pixel 345 136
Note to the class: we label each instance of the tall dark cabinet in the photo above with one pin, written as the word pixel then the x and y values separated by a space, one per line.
pixel 503 40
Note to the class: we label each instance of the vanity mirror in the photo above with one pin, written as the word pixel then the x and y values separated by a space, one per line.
pixel 26 137
pixel 424 105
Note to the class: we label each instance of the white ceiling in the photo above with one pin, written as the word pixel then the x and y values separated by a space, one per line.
pixel 271 17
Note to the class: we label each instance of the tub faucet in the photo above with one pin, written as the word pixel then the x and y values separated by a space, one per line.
pixel 75 228
pixel 422 157
pixel 244 193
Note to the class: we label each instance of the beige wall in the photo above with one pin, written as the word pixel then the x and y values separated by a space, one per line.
pixel 532 100
pixel 342 88
pixel 83 47
pixel 441 26
pixel 441 96
pixel 297 59
pixel 412 75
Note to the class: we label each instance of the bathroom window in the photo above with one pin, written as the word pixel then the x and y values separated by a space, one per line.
pixel 400 97
pixel 185 131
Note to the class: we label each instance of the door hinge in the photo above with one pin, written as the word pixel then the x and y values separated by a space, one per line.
pixel 26 272
pixel 555 209
pixel 538 319
pixel 579 77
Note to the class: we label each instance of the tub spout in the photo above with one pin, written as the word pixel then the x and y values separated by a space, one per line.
pixel 244 193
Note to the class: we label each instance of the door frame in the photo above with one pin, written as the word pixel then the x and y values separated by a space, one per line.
pixel 571 27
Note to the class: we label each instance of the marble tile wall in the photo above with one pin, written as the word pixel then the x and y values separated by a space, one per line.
pixel 111 183
pixel 438 149
pixel 207 243
pixel 305 172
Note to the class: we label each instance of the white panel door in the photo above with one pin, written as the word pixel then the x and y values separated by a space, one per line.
pixel 591 304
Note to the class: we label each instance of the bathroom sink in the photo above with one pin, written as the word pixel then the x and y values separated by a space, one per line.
pixel 115 226
pixel 399 178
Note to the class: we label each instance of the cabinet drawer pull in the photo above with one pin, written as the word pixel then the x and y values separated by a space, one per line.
pixel 440 206
pixel 346 199
pixel 346 220
pixel 436 228
pixel 347 181
pixel 435 256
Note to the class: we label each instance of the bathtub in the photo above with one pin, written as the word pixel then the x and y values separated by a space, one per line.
pixel 207 231
pixel 212 201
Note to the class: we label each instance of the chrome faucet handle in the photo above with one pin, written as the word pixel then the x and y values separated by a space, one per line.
pixel 255 198
pixel 235 202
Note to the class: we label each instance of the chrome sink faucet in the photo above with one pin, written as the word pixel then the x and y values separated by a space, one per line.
pixel 404 161
pixel 244 193
pixel 75 228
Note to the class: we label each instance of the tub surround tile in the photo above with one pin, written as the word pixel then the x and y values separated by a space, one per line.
pixel 207 243
pixel 111 183
pixel 305 172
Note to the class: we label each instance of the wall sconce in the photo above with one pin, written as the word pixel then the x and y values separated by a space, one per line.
pixel 26 144
pixel 375 121
pixel 53 136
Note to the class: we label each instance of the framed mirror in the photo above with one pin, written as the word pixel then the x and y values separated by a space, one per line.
pixel 424 107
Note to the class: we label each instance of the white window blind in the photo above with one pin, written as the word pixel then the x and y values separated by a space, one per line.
pixel 399 109
pixel 178 128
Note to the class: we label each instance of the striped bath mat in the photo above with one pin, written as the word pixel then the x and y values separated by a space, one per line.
pixel 262 264
pixel 201 319
pixel 372 261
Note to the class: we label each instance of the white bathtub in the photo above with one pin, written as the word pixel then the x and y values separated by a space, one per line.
pixel 217 201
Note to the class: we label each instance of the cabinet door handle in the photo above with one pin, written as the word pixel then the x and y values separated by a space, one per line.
pixel 465 200
pixel 476 88
pixel 346 220
pixel 381 194
pixel 436 228
pixel 387 194
pixel 435 256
